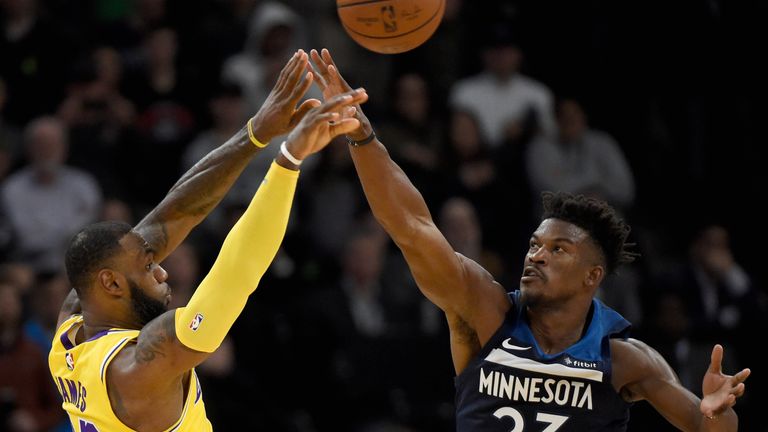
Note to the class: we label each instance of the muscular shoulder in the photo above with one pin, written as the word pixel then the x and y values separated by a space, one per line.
pixel 475 271
pixel 489 301
pixel 138 371
pixel 139 363
pixel 485 287
pixel 633 363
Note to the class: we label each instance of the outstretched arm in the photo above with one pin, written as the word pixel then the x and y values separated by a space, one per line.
pixel 179 340
pixel 201 188
pixel 453 283
pixel 642 373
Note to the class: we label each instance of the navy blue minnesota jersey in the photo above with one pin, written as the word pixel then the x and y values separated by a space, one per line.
pixel 512 386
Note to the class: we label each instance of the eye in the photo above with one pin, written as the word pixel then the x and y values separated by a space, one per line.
pixel 532 245
pixel 148 267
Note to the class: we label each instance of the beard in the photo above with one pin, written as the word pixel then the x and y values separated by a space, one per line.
pixel 144 307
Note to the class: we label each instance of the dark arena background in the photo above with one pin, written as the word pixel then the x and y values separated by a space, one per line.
pixel 658 107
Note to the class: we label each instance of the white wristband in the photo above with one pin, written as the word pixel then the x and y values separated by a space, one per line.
pixel 288 155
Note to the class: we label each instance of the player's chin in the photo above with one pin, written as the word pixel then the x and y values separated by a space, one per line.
pixel 531 287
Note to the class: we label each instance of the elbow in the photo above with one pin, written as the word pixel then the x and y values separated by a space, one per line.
pixel 406 233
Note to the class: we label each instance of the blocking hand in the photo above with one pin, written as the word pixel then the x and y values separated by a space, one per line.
pixel 323 123
pixel 331 83
pixel 278 115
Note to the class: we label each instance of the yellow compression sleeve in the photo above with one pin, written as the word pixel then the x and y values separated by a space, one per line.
pixel 245 256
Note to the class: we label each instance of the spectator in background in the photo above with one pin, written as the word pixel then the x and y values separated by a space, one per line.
pixel 719 293
pixel 469 159
pixel 19 275
pixel 331 205
pixel 157 75
pixel 227 112
pixel 710 296
pixel 99 86
pixel 99 118
pixel 46 299
pixel 164 95
pixel 437 58
pixel 415 132
pixel 28 399
pixel 580 160
pixel 472 171
pixel 506 102
pixel 48 201
pixel 275 31
pixel 115 209
pixel 459 223
pixel 353 327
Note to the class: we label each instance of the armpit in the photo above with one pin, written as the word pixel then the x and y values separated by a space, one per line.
pixel 462 332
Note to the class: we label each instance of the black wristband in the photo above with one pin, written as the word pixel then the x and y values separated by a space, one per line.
pixel 362 142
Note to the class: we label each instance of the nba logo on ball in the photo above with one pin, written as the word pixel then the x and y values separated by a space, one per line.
pixel 70 360
pixel 390 26
pixel 195 324
pixel 388 18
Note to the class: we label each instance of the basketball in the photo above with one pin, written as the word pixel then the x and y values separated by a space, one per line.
pixel 390 26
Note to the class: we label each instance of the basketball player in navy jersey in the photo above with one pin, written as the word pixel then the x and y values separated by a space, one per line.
pixel 547 357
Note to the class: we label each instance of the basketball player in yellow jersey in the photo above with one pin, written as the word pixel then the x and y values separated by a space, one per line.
pixel 121 360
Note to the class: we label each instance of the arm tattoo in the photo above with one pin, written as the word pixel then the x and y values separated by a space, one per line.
pixel 155 338
pixel 157 237
pixel 197 192
pixel 193 201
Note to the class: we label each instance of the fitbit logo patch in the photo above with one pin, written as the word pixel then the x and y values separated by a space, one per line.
pixel 195 324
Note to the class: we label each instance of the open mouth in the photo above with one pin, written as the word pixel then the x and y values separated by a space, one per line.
pixel 530 273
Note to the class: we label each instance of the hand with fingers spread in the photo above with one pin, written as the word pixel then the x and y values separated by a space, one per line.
pixel 323 123
pixel 279 114
pixel 331 83
pixel 720 391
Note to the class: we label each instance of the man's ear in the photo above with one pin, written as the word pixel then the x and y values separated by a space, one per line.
pixel 595 276
pixel 111 282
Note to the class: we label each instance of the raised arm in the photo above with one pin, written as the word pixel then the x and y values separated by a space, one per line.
pixel 179 340
pixel 201 188
pixel 455 284
pixel 642 373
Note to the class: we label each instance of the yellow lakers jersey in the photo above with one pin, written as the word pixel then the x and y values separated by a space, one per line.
pixel 79 371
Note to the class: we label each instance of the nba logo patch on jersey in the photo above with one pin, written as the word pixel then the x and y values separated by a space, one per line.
pixel 70 360
pixel 195 324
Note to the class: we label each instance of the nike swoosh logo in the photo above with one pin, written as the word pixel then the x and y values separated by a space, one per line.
pixel 509 346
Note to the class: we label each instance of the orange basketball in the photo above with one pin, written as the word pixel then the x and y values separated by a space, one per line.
pixel 390 26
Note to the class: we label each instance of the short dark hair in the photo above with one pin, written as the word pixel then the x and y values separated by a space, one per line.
pixel 90 248
pixel 598 218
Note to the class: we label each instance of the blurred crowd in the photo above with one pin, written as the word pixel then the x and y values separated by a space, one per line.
pixel 104 103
